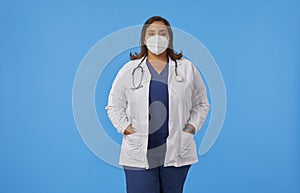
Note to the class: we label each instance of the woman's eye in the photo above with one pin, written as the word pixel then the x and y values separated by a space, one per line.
pixel 151 34
pixel 164 34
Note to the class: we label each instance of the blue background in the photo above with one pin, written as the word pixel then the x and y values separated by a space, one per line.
pixel 255 43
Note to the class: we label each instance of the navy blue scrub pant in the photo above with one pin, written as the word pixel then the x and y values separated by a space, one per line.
pixel 156 180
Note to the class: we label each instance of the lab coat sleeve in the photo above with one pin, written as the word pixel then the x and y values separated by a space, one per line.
pixel 200 105
pixel 117 104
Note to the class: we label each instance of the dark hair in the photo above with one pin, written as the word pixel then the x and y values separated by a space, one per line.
pixel 143 47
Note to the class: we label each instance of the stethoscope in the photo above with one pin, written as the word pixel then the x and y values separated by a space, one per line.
pixel 178 78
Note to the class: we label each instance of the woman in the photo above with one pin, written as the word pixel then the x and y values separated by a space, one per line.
pixel 158 102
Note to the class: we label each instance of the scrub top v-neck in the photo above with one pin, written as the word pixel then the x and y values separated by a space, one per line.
pixel 158 107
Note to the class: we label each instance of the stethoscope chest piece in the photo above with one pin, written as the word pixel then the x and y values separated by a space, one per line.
pixel 178 78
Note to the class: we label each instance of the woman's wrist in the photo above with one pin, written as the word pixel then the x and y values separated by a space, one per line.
pixel 129 130
pixel 189 128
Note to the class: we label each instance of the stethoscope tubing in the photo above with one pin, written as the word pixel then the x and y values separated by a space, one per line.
pixel 178 77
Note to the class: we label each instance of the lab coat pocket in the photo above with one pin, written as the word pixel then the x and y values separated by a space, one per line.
pixel 133 140
pixel 133 146
pixel 186 142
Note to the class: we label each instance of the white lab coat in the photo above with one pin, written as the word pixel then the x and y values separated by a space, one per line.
pixel 187 104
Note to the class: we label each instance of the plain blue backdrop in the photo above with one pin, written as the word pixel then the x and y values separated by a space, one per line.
pixel 255 43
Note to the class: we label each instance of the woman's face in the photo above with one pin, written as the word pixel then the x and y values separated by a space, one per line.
pixel 157 28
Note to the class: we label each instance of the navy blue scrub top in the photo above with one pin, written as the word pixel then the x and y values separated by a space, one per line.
pixel 159 107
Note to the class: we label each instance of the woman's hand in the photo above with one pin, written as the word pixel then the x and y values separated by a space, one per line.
pixel 129 130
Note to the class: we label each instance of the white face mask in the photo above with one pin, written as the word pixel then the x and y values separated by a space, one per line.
pixel 157 44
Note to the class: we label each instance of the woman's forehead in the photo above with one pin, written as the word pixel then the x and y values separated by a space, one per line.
pixel 157 26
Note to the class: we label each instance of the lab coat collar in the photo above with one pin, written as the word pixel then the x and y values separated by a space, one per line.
pixel 147 75
pixel 172 62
